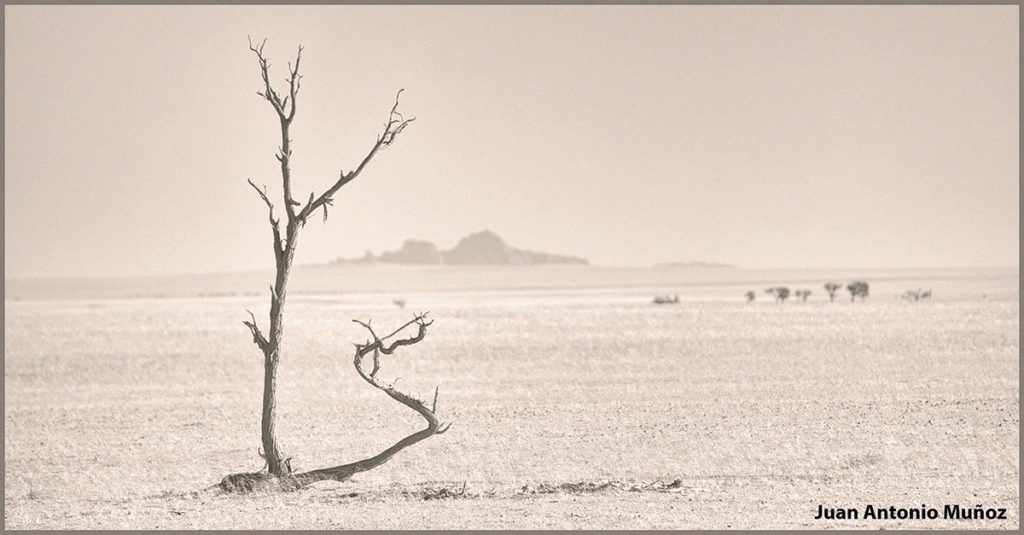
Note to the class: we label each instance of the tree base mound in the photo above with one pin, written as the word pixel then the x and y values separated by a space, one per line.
pixel 247 482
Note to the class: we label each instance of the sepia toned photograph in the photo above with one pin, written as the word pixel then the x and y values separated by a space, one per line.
pixel 548 267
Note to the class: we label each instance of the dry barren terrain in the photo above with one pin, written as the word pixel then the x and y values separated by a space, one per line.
pixel 586 409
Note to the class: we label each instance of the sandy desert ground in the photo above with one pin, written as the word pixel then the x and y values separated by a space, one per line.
pixel 572 409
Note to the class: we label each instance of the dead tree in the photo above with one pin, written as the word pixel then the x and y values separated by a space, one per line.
pixel 376 348
pixel 296 214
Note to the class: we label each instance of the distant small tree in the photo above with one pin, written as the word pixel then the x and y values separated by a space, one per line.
pixel 916 295
pixel 857 289
pixel 751 296
pixel 832 288
pixel 802 295
pixel 781 293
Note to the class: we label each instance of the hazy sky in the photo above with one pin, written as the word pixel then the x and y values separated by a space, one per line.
pixel 762 136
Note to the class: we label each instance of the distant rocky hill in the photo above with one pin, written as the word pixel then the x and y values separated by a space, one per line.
pixel 480 248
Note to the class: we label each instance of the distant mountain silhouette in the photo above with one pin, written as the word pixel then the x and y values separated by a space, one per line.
pixel 480 248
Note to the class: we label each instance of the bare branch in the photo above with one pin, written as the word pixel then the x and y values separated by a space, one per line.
pixel 263 195
pixel 293 82
pixel 268 91
pixel 418 318
pixel 286 115
pixel 395 124
pixel 378 343
pixel 273 222
pixel 376 363
pixel 257 336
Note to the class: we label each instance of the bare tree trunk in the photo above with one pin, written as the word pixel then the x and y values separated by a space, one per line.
pixel 276 463
pixel 284 253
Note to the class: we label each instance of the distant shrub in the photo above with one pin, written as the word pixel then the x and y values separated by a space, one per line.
pixel 857 289
pixel 832 288
pixel 916 295
pixel 781 293
pixel 666 299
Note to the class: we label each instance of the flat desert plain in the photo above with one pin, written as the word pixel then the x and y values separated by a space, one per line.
pixel 575 401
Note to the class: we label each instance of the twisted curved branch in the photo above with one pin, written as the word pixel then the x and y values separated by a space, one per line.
pixel 378 347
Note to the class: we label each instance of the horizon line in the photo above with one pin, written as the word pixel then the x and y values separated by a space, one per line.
pixel 661 265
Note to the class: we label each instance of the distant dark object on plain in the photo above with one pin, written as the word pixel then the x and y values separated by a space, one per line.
pixel 915 295
pixel 666 299
pixel 780 293
pixel 832 288
pixel 857 289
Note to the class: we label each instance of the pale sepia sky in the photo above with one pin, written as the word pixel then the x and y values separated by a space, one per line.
pixel 762 136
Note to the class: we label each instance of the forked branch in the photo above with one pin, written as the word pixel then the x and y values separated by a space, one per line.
pixel 278 249
pixel 257 335
pixel 285 114
pixel 280 104
pixel 395 124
